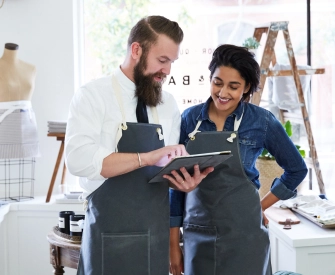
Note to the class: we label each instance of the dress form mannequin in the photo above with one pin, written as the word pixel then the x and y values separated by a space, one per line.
pixel 17 77
pixel 18 130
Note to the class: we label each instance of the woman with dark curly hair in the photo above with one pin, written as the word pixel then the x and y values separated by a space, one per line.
pixel 225 230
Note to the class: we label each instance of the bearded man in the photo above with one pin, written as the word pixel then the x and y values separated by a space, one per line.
pixel 115 144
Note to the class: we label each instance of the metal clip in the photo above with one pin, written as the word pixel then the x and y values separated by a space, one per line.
pixel 124 126
pixel 231 138
pixel 160 135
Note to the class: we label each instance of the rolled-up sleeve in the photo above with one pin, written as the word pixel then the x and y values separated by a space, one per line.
pixel 288 157
pixel 83 151
pixel 281 191
pixel 177 200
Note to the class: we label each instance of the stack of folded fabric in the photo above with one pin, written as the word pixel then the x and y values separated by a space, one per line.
pixel 322 210
pixel 56 126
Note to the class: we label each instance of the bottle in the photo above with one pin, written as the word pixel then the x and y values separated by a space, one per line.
pixel 64 221
pixel 76 225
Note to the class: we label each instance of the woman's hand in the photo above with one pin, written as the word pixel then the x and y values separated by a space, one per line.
pixel 176 261
pixel 186 182
pixel 176 255
pixel 265 220
pixel 268 200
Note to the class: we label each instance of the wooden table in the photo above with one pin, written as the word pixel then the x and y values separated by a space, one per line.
pixel 61 137
pixel 62 253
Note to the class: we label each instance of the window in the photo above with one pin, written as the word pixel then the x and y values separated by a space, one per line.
pixel 207 24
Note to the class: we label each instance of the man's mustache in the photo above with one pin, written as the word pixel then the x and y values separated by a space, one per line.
pixel 160 75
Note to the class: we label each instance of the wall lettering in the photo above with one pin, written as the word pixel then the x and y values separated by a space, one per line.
pixel 186 80
pixel 191 101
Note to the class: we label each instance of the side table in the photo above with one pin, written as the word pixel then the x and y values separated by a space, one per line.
pixel 61 137
pixel 62 254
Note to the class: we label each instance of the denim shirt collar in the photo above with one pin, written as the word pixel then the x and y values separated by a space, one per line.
pixel 204 115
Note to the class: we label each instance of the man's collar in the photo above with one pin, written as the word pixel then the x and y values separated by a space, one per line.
pixel 127 85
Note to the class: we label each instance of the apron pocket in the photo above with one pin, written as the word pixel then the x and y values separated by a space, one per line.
pixel 125 253
pixel 199 249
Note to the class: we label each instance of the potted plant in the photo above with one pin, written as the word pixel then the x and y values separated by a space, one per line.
pixel 288 128
pixel 251 43
pixel 268 167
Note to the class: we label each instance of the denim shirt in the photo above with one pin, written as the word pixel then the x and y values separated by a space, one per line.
pixel 259 129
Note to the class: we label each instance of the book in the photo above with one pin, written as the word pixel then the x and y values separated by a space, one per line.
pixel 203 160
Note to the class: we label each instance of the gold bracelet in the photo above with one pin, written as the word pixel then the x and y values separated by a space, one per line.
pixel 139 159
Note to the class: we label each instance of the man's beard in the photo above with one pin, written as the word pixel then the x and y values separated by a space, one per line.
pixel 147 89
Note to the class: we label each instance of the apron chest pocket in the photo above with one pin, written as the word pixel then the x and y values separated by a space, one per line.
pixel 125 253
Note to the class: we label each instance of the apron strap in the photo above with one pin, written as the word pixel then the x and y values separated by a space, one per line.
pixel 237 124
pixel 11 106
pixel 117 89
pixel 192 134
pixel 154 114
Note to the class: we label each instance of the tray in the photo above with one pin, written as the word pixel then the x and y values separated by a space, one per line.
pixel 66 237
pixel 313 219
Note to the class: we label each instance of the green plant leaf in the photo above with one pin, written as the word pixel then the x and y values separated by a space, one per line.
pixel 251 43
pixel 288 128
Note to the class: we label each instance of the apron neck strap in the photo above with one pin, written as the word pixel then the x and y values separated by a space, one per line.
pixel 154 114
pixel 192 134
pixel 117 89
pixel 237 124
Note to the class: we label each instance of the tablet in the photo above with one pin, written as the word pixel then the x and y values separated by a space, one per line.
pixel 203 160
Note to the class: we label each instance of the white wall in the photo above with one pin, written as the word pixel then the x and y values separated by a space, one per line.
pixel 3 239
pixel 44 31
pixel 24 226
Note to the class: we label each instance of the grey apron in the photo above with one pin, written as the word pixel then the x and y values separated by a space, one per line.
pixel 223 224
pixel 126 229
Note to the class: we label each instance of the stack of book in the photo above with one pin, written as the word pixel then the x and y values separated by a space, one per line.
pixel 56 126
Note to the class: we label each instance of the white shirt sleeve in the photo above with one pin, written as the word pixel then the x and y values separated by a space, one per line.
pixel 83 150
pixel 93 121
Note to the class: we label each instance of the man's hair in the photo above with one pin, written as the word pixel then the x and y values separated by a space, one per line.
pixel 146 31
pixel 240 59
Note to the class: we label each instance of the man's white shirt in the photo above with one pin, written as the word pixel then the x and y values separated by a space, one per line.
pixel 93 122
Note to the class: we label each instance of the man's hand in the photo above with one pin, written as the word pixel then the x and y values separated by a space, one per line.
pixel 164 155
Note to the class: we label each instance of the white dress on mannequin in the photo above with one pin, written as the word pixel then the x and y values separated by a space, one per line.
pixel 18 129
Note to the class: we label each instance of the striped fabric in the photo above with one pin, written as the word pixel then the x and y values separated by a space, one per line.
pixel 286 273
pixel 18 134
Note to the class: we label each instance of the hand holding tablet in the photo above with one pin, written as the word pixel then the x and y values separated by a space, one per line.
pixel 203 160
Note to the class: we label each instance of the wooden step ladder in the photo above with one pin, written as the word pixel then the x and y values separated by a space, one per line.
pixel 271 31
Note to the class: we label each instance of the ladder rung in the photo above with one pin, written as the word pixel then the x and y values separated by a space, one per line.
pixel 309 162
pixel 292 115
pixel 289 72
